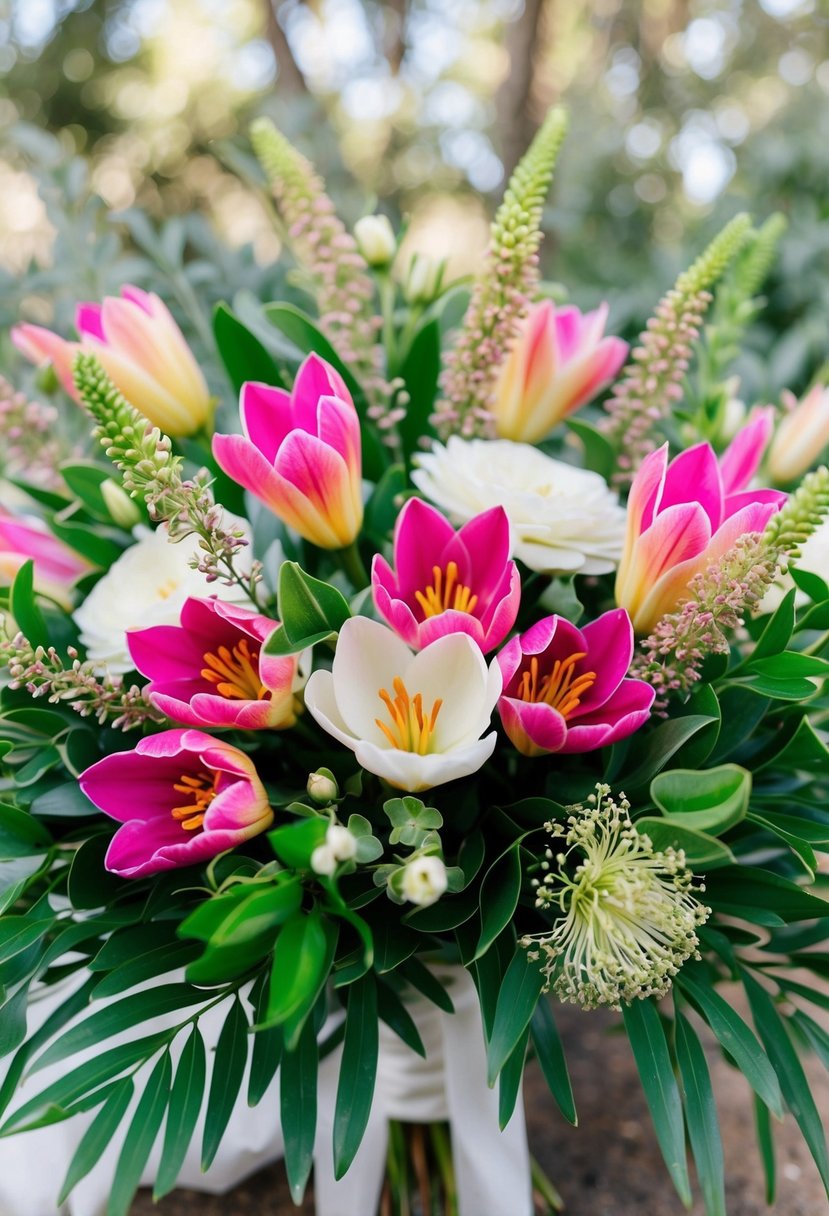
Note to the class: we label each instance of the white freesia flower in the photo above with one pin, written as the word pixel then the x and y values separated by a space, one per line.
pixel 563 519
pixel 415 720
pixel 424 881
pixel 147 585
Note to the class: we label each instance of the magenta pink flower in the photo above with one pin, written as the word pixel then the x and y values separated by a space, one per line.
pixel 565 688
pixel 446 581
pixel 182 798
pixel 560 360
pixel 56 567
pixel 684 516
pixel 211 670
pixel 300 453
pixel 143 352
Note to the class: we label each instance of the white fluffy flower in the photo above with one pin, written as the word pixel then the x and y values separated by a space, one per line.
pixel 563 519
pixel 414 719
pixel 424 880
pixel 147 585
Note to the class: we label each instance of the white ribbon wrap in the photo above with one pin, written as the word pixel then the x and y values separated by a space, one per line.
pixel 492 1167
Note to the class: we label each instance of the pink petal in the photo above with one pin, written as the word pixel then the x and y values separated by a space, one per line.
pixel 88 321
pixel 533 728
pixel 694 476
pixel 165 653
pixel 397 614
pixel 315 379
pixel 245 464
pixel 486 538
pixel 450 621
pixel 628 709
pixel 736 502
pixel 609 650
pixel 741 459
pixel 421 535
pixel 339 427
pixel 266 416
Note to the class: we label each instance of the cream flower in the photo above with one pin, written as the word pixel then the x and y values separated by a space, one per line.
pixel 563 519
pixel 415 720
pixel 147 585
pixel 424 881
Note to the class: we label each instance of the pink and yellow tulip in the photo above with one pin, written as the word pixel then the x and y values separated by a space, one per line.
pixel 446 581
pixel 685 515
pixel 300 454
pixel 181 798
pixel 56 566
pixel 141 349
pixel 211 670
pixel 559 361
pixel 801 436
pixel 565 688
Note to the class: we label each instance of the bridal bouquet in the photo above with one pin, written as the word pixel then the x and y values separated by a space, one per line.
pixel 473 636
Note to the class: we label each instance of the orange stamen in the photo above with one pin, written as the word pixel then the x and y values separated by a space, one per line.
pixel 235 673
pixel 411 729
pixel 202 789
pixel 446 592
pixel 561 688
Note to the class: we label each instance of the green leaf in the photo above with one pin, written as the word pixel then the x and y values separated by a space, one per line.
pixel 765 1143
pixel 302 961
pixel 786 1064
pixel 736 1038
pixel 662 743
pixel 815 587
pixel 744 887
pixel 145 1126
pixel 308 606
pixel 711 801
pixel 186 1098
pixel 790 664
pixel 23 606
pixel 701 1115
pixel 394 1013
pixel 279 644
pixel 510 1080
pixel 17 933
pixel 267 1048
pixel 240 927
pixel 90 884
pixel 66 801
pixel 778 630
pixel 228 1071
pixel 243 355
pixel 20 833
pixel 358 1071
pixel 550 1053
pixel 420 370
pixel 650 1049
pixel 500 889
pixel 702 852
pixel 805 751
pixel 517 1000
pixel 121 1015
pixel 421 978
pixel 599 453
pixel 98 1136
pixel 13 1021
pixel 295 842
pixel 298 1102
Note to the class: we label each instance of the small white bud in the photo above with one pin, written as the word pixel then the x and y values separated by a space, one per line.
pixel 375 239
pixel 341 842
pixel 422 280
pixel 424 881
pixel 121 507
pixel 322 787
pixel 323 860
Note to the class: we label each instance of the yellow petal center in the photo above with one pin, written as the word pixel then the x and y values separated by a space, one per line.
pixel 561 687
pixel 411 729
pixel 235 672
pixel 446 592
pixel 200 789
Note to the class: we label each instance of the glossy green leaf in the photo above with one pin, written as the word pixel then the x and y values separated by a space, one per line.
pixel 736 1038
pixel 13 1021
pixel 24 608
pixel 599 453
pixel 229 1064
pixel 701 1116
pixel 243 355
pixel 551 1058
pixel 420 371
pixel 302 960
pixel 500 890
pixel 779 628
pixel 267 1049
pixel 298 1104
pixel 517 1000
pixel 358 1071
pixel 308 606
pixel 20 833
pixel 295 842
pixel 98 1136
pixel 509 1080
pixel 744 887
pixel 765 1143
pixel 393 1012
pixel 653 1060
pixel 702 852
pixel 793 1082
pixel 186 1096
pixel 804 751
pixel 711 801
pixel 660 745
pixel 17 933
pixel 421 978
pixel 145 1126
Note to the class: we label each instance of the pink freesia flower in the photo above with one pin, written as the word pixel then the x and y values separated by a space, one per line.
pixel 300 453
pixel 182 798
pixel 56 567
pixel 559 361
pixel 210 670
pixel 446 581
pixel 565 688
pixel 143 352
pixel 684 516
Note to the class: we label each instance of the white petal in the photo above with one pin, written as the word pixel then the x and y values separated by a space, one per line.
pixel 368 657
pixel 453 670
pixel 410 772
pixel 322 706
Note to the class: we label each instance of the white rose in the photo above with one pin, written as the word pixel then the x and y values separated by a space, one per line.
pixel 424 881
pixel 147 585
pixel 564 520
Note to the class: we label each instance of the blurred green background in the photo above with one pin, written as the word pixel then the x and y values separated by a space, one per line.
pixel 123 153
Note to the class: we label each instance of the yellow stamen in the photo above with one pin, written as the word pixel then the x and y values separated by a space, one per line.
pixel 446 592
pixel 235 672
pixel 411 729
pixel 561 688
pixel 202 789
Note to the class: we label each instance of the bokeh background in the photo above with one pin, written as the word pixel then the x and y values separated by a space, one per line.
pixel 123 152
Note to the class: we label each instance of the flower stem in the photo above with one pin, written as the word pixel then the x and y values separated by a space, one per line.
pixel 351 562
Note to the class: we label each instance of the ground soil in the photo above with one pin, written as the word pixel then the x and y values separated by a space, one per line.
pixel 610 1164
